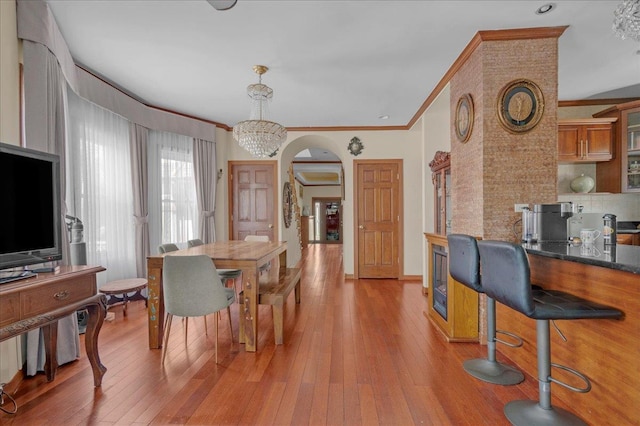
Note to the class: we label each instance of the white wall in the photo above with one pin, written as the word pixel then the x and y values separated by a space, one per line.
pixel 436 135
pixel 10 354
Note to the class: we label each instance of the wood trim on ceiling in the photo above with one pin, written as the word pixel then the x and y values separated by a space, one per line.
pixel 493 35
pixel 488 35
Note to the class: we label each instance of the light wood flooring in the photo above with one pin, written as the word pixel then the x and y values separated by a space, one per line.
pixel 356 352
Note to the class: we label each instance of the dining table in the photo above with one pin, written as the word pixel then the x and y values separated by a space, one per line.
pixel 248 256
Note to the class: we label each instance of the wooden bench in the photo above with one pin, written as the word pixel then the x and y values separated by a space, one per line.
pixel 275 293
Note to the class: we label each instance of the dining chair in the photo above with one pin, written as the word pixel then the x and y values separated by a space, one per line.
pixel 192 288
pixel 263 239
pixel 166 248
pixel 195 242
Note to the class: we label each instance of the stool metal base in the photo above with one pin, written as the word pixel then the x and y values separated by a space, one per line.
pixel 530 413
pixel 493 372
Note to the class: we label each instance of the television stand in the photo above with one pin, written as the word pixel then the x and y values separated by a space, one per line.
pixel 22 275
pixel 43 300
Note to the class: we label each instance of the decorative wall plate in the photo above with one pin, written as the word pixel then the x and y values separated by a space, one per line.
pixel 355 146
pixel 464 117
pixel 520 106
pixel 287 204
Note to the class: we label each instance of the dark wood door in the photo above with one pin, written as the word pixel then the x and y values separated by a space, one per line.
pixel 378 196
pixel 252 199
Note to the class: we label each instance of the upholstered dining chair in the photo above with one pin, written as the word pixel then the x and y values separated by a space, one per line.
pixel 263 239
pixel 195 242
pixel 226 275
pixel 166 248
pixel 192 288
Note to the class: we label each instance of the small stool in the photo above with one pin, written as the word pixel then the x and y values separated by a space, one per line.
pixel 501 260
pixel 464 267
pixel 123 287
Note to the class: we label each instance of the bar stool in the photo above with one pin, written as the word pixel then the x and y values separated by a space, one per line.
pixel 464 267
pixel 506 278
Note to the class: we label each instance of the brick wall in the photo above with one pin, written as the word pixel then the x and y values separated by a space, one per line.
pixel 496 169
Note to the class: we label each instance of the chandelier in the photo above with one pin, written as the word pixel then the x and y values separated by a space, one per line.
pixel 260 137
pixel 626 21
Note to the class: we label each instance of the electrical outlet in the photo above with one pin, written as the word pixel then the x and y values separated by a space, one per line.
pixel 519 207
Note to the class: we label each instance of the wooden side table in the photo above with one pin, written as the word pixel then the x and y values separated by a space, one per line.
pixel 122 288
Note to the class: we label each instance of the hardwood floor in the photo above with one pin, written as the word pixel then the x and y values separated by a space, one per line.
pixel 356 352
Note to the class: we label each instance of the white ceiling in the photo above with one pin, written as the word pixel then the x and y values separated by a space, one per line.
pixel 332 63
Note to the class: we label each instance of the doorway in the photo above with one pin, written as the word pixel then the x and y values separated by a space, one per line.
pixel 327 213
pixel 378 223
pixel 252 199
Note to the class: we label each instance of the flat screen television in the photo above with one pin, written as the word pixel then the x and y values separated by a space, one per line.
pixel 30 216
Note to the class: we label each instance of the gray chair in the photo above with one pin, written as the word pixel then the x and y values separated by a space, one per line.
pixel 262 239
pixel 192 288
pixel 464 267
pixel 506 278
pixel 195 242
pixel 166 248
pixel 226 275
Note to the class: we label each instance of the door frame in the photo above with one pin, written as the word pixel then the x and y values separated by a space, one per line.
pixel 276 193
pixel 335 200
pixel 356 224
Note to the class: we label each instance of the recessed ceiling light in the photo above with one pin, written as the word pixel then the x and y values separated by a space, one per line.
pixel 545 8
pixel 383 117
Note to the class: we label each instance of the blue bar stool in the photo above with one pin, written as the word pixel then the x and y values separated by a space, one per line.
pixel 506 278
pixel 464 267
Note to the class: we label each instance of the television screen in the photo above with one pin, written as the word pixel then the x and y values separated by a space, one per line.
pixel 30 219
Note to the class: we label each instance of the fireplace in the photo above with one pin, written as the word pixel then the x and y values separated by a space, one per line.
pixel 440 277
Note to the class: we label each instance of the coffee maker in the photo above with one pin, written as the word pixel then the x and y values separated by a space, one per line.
pixel 546 222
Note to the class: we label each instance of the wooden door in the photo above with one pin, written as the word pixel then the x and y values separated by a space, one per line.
pixel 378 225
pixel 251 199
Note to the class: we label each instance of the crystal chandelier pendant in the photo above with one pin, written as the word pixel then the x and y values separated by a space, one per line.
pixel 260 137
pixel 626 20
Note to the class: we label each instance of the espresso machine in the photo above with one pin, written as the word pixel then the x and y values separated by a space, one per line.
pixel 546 222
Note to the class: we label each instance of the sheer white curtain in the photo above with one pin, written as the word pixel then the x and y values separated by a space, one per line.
pixel 99 186
pixel 173 211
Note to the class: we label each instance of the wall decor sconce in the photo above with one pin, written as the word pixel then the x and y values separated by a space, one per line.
pixel 219 174
pixel 355 147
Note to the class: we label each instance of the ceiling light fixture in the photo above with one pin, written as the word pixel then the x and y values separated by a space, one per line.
pixel 545 8
pixel 260 137
pixel 626 20
pixel 222 4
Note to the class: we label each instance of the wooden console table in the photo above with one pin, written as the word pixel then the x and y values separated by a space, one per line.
pixel 42 300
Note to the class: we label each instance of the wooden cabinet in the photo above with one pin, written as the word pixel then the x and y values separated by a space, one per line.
pixel 453 307
pixel 441 178
pixel 585 140
pixel 306 224
pixel 628 239
pixel 622 173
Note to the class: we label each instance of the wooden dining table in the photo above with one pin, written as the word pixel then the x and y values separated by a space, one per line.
pixel 246 255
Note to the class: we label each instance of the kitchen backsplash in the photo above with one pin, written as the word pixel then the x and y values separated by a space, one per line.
pixel 625 206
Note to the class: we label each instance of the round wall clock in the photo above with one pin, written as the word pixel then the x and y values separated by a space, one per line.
pixel 464 117
pixel 287 204
pixel 520 106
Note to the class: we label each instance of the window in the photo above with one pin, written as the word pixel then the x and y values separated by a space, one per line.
pixel 98 182
pixel 173 212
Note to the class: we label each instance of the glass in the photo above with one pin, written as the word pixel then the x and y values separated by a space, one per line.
pixel 633 151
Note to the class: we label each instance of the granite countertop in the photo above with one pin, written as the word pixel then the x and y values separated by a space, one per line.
pixel 620 256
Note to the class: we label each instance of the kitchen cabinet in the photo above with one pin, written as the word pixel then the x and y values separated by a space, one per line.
pixel 585 140
pixel 628 239
pixel 622 173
